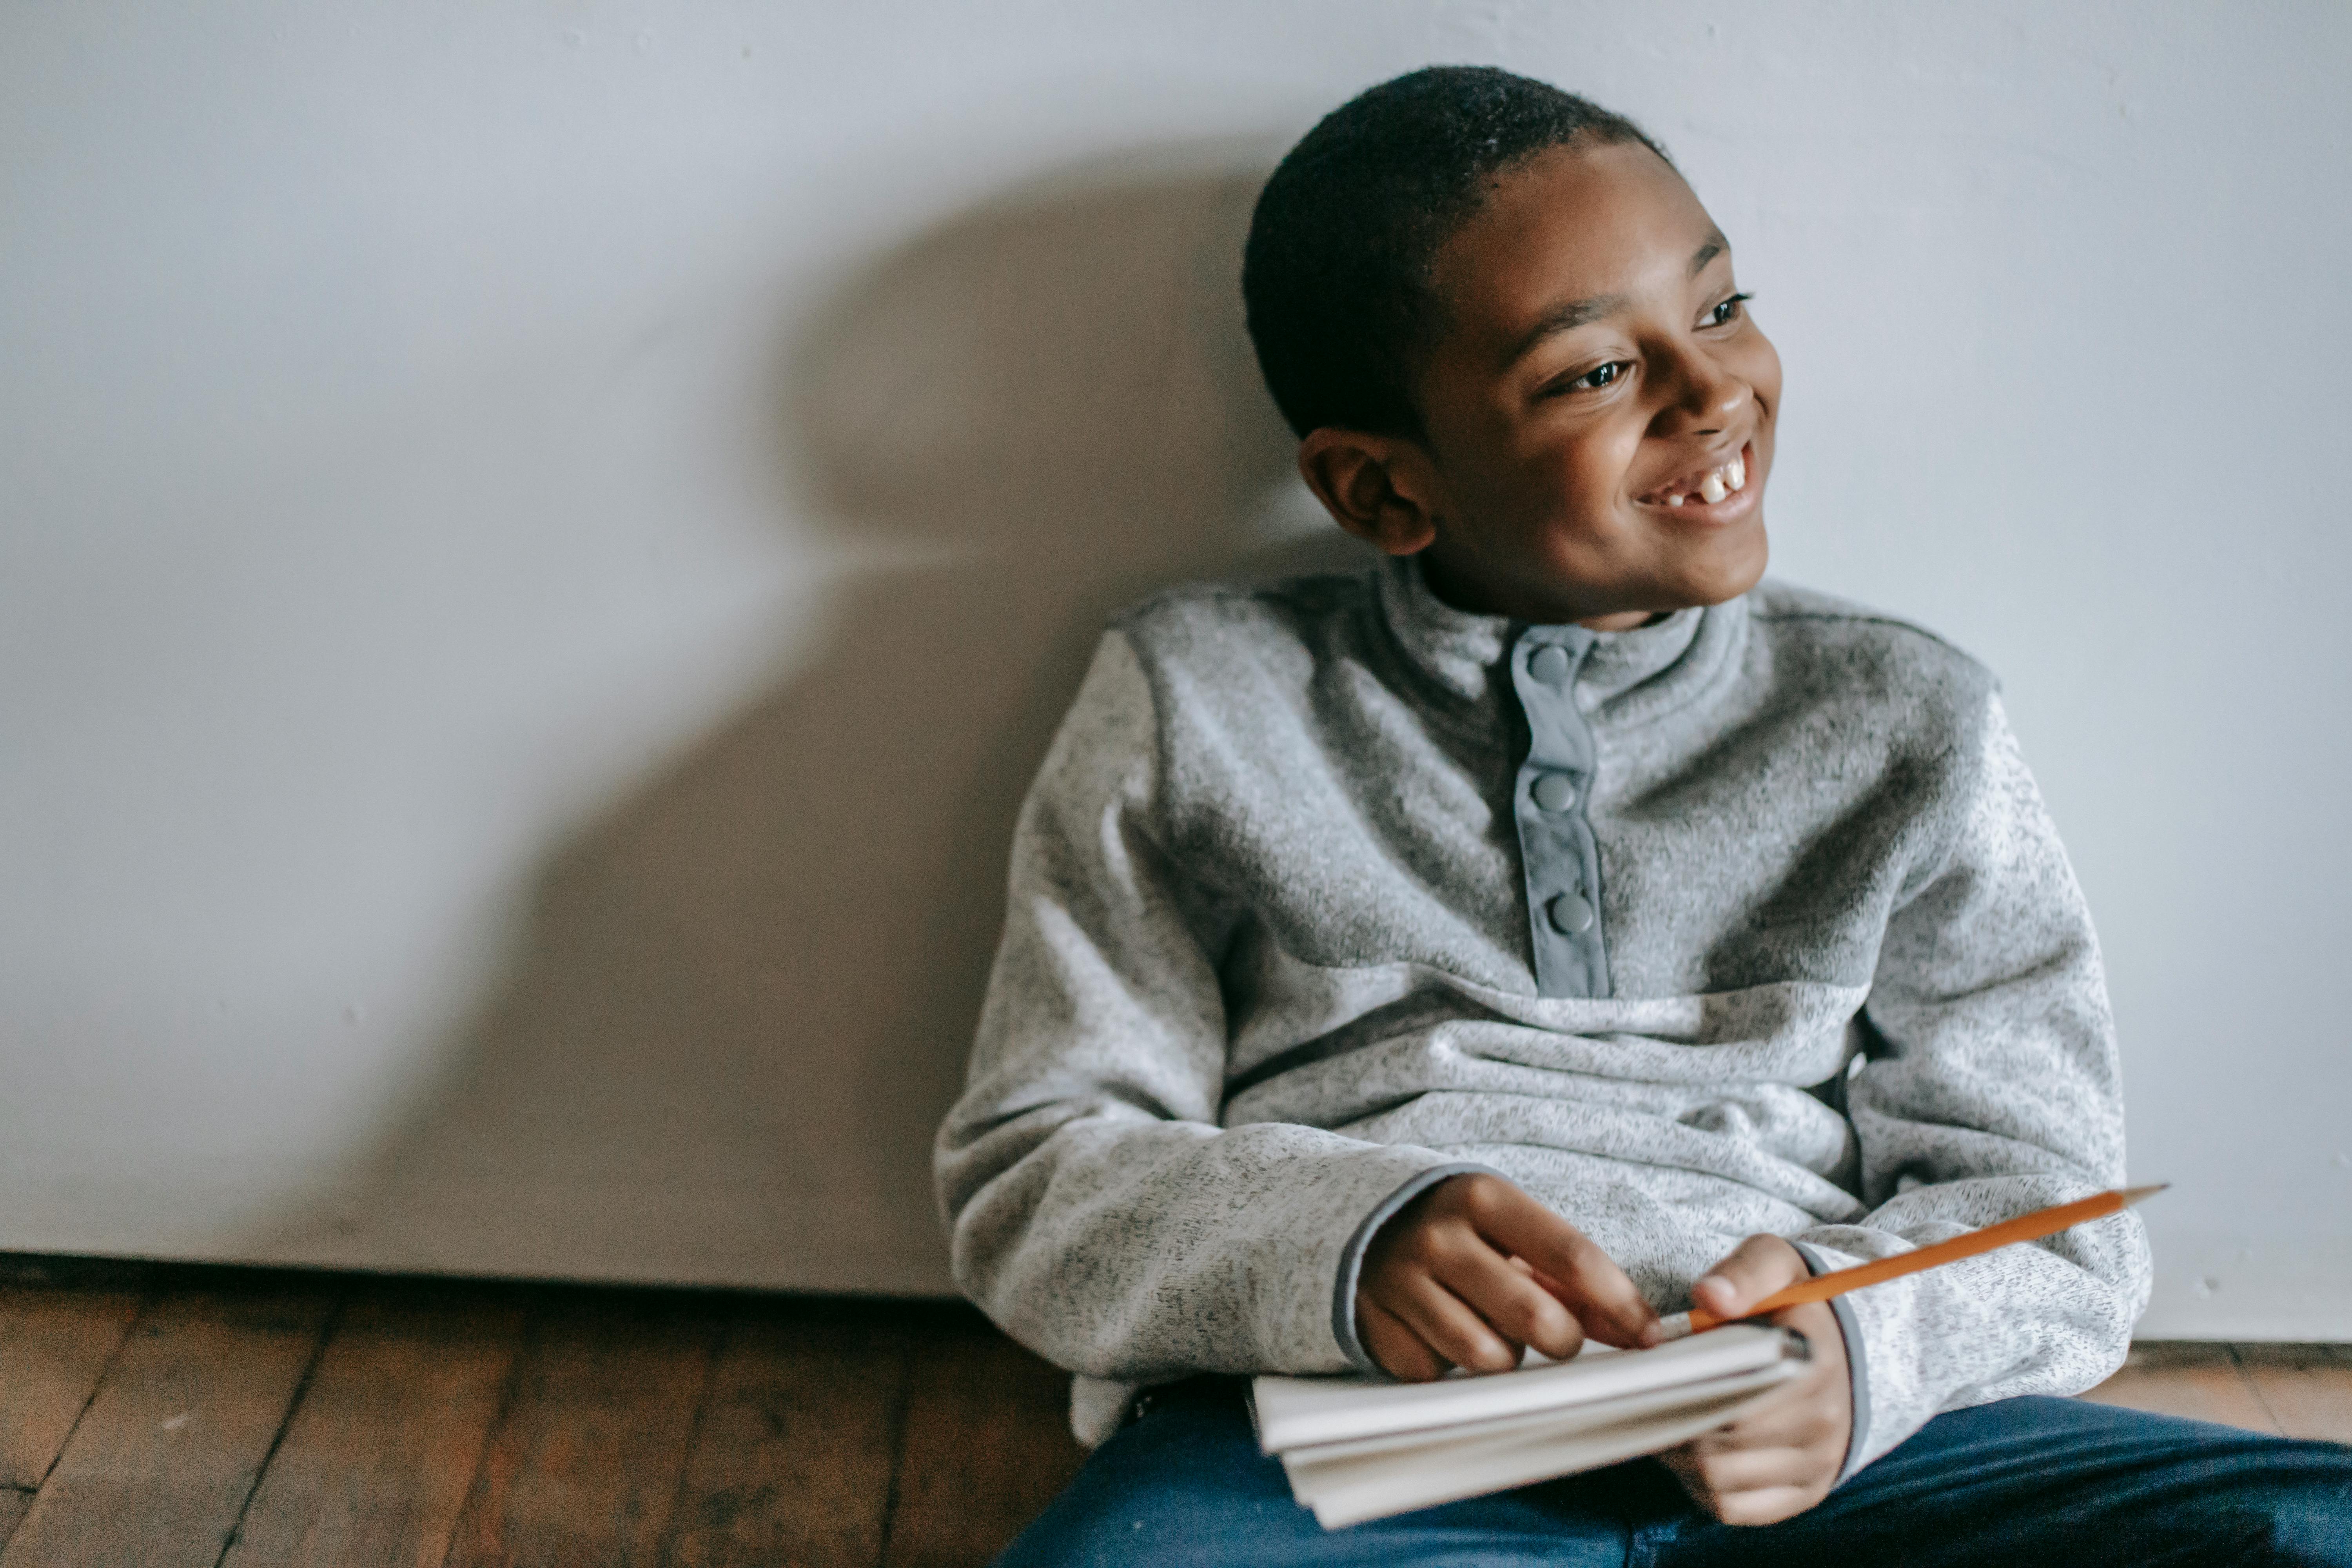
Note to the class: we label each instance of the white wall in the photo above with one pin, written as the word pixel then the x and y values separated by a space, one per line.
pixel 541 542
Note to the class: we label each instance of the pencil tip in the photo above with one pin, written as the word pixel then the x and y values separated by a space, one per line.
pixel 2134 1194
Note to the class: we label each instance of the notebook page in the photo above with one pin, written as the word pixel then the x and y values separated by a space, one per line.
pixel 1298 1412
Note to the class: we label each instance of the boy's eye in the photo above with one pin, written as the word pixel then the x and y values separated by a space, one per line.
pixel 1728 311
pixel 1599 377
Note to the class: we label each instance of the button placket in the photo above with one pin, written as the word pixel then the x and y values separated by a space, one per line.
pixel 1556 845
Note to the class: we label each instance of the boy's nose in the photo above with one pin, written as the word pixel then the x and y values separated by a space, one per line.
pixel 1707 394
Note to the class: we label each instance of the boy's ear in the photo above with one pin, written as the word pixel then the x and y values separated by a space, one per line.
pixel 1382 488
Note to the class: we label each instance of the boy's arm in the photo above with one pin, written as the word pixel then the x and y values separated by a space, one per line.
pixel 1990 1087
pixel 1099 1212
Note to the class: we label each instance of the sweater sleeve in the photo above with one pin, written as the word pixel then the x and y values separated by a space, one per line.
pixel 1990 1087
pixel 1097 1210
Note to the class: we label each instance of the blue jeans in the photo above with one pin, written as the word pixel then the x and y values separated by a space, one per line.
pixel 2052 1483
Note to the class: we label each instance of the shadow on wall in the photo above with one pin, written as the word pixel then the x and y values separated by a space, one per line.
pixel 743 998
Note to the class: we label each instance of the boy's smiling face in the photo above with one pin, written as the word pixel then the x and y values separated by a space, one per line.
pixel 1596 382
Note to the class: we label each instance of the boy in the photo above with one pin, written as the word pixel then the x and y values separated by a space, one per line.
pixel 1554 928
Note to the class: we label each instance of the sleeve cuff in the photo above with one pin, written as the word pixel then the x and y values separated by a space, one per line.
pixel 1352 1257
pixel 1857 1365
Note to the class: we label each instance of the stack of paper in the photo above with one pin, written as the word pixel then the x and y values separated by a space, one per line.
pixel 1362 1448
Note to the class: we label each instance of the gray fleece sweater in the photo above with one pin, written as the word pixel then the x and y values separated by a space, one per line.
pixel 1747 921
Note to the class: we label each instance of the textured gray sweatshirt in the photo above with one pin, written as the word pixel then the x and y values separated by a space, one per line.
pixel 1747 921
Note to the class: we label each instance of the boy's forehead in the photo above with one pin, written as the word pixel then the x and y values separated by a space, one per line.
pixel 1574 232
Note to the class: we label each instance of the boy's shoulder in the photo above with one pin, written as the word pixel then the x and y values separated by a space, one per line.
pixel 1294 598
pixel 1281 622
pixel 1778 600
pixel 1863 650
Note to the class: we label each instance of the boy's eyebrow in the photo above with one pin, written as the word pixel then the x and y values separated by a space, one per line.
pixel 1571 313
pixel 1559 318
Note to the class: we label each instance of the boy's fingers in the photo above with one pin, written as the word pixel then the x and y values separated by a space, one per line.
pixel 1746 1485
pixel 1757 1267
pixel 1589 1282
pixel 1752 1470
pixel 1739 1444
pixel 1394 1348
pixel 1505 1293
pixel 1769 1505
pixel 1447 1325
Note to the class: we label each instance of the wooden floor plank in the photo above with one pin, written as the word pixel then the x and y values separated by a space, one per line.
pixel 987 1446
pixel 792 1462
pixel 163 1461
pixel 2200 1381
pixel 380 1453
pixel 583 1470
pixel 2307 1387
pixel 54 1342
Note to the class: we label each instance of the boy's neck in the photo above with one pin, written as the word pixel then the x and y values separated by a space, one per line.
pixel 1472 598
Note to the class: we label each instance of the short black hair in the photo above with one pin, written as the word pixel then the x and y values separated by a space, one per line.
pixel 1336 273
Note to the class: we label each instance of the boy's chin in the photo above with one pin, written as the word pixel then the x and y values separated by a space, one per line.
pixel 1693 576
pixel 1717 577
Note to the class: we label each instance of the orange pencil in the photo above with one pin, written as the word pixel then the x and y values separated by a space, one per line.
pixel 1821 1287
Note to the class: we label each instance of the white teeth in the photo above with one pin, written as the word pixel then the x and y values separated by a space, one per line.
pixel 1729 479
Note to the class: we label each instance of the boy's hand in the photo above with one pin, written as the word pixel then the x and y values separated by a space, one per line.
pixel 1474 1271
pixel 1782 1458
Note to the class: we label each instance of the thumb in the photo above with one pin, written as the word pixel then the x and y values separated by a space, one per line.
pixel 1757 1267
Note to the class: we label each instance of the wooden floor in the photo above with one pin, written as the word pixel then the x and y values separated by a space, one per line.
pixel 170 1417
pixel 223 1418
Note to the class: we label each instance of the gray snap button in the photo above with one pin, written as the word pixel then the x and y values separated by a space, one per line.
pixel 1570 915
pixel 1555 792
pixel 1549 664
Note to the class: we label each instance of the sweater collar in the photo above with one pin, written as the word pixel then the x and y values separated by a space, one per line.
pixel 1626 677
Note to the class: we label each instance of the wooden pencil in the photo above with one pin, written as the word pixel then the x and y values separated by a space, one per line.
pixel 1821 1287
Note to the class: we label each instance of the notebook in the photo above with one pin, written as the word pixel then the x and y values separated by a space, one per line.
pixel 1358 1448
